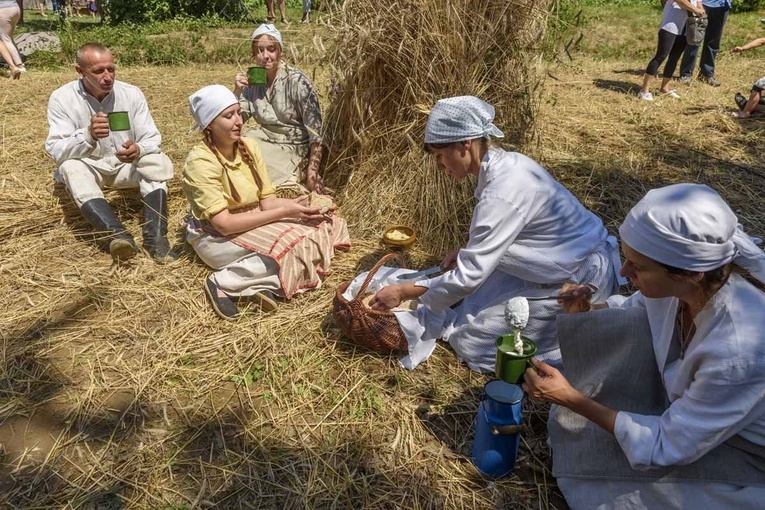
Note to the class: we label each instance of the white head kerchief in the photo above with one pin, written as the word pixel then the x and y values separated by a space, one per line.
pixel 268 29
pixel 689 226
pixel 460 118
pixel 207 103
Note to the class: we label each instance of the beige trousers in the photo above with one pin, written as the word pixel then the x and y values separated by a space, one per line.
pixel 85 182
pixel 9 16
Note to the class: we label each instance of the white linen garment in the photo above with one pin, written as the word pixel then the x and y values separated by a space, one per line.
pixel 238 271
pixel 528 236
pixel 70 109
pixel 717 390
pixel 525 224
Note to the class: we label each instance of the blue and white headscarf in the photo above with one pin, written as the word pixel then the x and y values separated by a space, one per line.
pixel 460 118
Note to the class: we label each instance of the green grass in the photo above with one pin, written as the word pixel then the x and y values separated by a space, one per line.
pixel 179 41
pixel 620 31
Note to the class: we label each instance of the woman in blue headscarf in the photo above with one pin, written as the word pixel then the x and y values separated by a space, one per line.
pixel 527 236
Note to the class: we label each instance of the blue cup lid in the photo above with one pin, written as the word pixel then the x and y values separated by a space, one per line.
pixel 502 391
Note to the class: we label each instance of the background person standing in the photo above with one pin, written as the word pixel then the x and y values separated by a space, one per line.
pixel 9 18
pixel 717 14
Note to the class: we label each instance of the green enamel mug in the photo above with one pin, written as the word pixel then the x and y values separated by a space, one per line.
pixel 509 366
pixel 256 75
pixel 119 121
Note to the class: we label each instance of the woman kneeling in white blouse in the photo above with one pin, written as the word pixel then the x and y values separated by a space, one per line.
pixel 528 234
pixel 700 280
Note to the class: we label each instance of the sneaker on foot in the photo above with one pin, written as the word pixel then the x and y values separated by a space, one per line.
pixel 685 80
pixel 672 93
pixel 709 80
pixel 646 96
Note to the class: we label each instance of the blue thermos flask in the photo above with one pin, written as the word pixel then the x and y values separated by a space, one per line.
pixel 497 427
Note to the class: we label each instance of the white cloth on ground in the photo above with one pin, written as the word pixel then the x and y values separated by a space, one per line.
pixel 85 182
pixel 717 390
pixel 70 109
pixel 429 326
pixel 238 271
pixel 455 119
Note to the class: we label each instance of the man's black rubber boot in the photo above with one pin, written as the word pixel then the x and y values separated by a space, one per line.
pixel 155 226
pixel 101 216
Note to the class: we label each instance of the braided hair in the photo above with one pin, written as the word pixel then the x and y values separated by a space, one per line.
pixel 247 157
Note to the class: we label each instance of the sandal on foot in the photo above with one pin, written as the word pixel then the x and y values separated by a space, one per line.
pixel 740 100
pixel 263 299
pixel 271 19
pixel 672 93
pixel 224 306
pixel 739 115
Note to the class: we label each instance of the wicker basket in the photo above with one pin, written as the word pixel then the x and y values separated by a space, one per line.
pixel 374 330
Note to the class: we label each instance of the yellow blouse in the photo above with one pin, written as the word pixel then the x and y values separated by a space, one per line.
pixel 208 185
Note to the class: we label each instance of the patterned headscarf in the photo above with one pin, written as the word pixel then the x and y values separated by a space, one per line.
pixel 460 118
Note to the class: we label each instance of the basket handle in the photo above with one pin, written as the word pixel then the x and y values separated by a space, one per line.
pixel 376 267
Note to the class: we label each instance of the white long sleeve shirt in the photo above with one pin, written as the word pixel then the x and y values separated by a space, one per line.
pixel 70 109
pixel 717 390
pixel 525 224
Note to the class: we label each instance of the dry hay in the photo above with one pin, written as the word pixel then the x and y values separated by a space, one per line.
pixel 392 61
pixel 119 387
pixel 610 149
pixel 123 389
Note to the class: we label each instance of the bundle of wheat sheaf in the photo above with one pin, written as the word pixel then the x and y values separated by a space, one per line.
pixel 393 61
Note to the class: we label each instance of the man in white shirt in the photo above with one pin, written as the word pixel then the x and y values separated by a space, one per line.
pixel 90 156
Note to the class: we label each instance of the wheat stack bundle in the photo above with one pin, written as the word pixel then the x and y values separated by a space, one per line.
pixel 393 61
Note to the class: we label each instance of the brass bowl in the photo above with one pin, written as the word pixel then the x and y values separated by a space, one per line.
pixel 402 243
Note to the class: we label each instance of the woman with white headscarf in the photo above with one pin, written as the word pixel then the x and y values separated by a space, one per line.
pixel 699 278
pixel 261 247
pixel 528 234
pixel 287 111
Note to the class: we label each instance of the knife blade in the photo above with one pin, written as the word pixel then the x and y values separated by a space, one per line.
pixel 425 272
